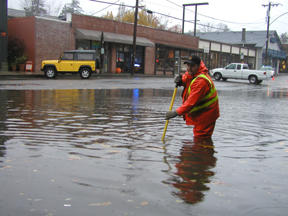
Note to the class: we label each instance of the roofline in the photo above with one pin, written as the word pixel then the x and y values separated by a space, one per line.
pixel 230 44
pixel 83 51
pixel 132 24
pixel 51 19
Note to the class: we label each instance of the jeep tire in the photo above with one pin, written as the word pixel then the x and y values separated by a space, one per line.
pixel 85 72
pixel 50 72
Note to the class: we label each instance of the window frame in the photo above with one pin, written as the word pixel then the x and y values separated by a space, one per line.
pixel 77 57
pixel 73 56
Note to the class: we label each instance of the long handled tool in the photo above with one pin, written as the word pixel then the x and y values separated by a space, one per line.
pixel 170 109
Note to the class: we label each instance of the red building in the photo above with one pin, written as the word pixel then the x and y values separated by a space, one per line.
pixel 157 50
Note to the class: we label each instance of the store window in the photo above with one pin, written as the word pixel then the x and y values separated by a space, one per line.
pixel 83 44
pixel 165 59
pixel 124 58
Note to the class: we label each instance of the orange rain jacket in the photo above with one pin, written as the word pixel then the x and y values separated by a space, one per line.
pixel 199 89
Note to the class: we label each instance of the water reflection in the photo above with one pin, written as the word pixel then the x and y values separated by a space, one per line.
pixel 194 170
pixel 62 141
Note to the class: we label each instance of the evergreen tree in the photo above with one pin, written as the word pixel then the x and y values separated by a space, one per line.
pixel 35 7
pixel 73 7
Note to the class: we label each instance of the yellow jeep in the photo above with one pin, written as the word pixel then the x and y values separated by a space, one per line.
pixel 82 61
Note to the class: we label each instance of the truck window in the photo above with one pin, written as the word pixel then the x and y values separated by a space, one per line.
pixel 85 56
pixel 238 67
pixel 67 56
pixel 231 66
pixel 245 67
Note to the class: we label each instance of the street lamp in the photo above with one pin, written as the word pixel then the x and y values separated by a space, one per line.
pixel 195 20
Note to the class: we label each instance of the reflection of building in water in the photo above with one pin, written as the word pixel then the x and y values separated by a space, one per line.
pixel 3 117
pixel 194 170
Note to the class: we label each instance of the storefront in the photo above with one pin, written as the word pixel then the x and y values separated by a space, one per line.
pixel 124 58
pixel 116 56
pixel 217 54
pixel 157 51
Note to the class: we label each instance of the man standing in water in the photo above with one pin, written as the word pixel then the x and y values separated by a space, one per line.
pixel 200 100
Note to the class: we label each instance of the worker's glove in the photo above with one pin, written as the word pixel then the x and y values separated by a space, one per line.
pixel 178 81
pixel 171 114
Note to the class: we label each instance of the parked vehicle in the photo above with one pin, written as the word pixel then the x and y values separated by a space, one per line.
pixel 83 62
pixel 239 71
pixel 269 69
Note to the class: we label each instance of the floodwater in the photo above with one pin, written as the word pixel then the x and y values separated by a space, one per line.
pixel 98 152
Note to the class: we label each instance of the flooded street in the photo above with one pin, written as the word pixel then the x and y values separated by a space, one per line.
pixel 94 148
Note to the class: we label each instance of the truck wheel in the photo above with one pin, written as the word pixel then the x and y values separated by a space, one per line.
pixel 50 72
pixel 217 76
pixel 253 79
pixel 85 73
pixel 224 79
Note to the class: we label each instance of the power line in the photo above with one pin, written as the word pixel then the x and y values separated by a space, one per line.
pixel 214 17
pixel 180 19
pixel 278 17
pixel 111 3
pixel 149 11
pixel 105 8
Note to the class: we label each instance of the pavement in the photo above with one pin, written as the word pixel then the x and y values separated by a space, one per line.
pixel 38 75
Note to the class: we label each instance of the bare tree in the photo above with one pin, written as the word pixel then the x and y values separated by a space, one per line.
pixel 284 38
pixel 210 27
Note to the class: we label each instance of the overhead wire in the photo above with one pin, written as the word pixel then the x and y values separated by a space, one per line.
pixel 105 8
pixel 155 12
pixel 214 18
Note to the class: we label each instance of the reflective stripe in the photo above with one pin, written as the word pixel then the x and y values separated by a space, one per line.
pixel 204 105
pixel 201 75
pixel 209 95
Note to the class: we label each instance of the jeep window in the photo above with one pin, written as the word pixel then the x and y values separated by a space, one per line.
pixel 85 56
pixel 67 56
pixel 238 67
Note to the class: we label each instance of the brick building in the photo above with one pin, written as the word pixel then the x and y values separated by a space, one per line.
pixel 158 51
pixel 46 38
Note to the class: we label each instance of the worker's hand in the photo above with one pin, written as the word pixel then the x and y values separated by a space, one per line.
pixel 171 114
pixel 178 81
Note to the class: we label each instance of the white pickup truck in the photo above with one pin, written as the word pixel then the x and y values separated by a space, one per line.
pixel 239 71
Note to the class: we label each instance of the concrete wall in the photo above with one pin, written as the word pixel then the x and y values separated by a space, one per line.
pixel 259 58
pixel 24 30
pixel 52 37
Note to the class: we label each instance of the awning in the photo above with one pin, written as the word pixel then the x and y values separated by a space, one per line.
pixel 275 54
pixel 112 37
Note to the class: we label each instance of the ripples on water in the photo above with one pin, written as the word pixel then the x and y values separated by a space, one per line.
pixel 100 150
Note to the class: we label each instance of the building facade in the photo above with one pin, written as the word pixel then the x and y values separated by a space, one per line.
pixel 158 52
pixel 252 40
pixel 46 38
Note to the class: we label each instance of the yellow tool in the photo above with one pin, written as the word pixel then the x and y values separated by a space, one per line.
pixel 170 109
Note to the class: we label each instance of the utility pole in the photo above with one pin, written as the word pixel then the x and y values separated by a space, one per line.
pixel 134 37
pixel 3 36
pixel 183 19
pixel 268 26
pixel 195 19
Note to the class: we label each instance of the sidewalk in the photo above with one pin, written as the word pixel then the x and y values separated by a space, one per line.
pixel 39 75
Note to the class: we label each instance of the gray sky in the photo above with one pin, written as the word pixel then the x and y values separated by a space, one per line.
pixel 234 13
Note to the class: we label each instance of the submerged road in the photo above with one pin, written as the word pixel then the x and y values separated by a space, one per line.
pixel 93 147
